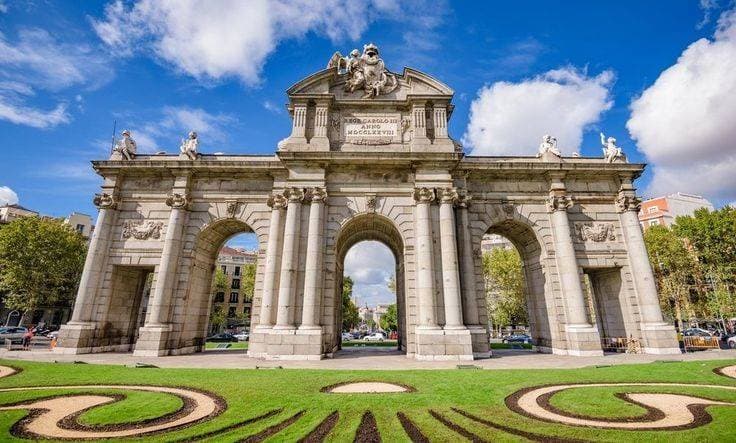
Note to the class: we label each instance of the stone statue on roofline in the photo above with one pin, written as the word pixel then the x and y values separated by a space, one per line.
pixel 189 146
pixel 365 71
pixel 611 152
pixel 126 147
pixel 549 144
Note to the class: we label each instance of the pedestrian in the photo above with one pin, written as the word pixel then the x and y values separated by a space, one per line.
pixel 27 338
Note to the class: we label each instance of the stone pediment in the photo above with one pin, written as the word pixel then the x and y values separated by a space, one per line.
pixel 410 83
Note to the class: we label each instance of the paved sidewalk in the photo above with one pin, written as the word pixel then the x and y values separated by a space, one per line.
pixel 374 358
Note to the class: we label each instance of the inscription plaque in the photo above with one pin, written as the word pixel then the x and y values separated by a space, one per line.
pixel 357 127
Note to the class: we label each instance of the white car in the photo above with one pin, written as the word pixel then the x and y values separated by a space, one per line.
pixel 376 336
pixel 243 336
pixel 346 336
pixel 731 342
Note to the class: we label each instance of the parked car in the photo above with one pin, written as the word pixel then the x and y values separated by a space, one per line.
pixel 14 333
pixel 696 332
pixel 242 336
pixel 376 336
pixel 517 338
pixel 346 336
pixel 731 342
pixel 357 335
pixel 224 337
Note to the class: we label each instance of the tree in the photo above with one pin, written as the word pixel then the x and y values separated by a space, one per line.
pixel 218 317
pixel 504 287
pixel 350 316
pixel 676 269
pixel 712 235
pixel 219 282
pixel 41 262
pixel 389 320
pixel 248 282
pixel 392 284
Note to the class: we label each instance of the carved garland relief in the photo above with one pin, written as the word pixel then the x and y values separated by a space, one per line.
pixel 596 232
pixel 142 230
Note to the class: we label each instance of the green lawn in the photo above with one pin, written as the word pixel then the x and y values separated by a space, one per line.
pixel 251 393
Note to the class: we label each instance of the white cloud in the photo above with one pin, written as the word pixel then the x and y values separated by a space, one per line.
pixel 7 196
pixel 707 6
pixel 232 38
pixel 174 123
pixel 272 107
pixel 685 123
pixel 37 60
pixel 371 265
pixel 511 118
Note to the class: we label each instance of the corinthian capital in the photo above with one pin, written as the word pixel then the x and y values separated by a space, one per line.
pixel 295 195
pixel 449 195
pixel 559 203
pixel 318 195
pixel 104 201
pixel 277 201
pixel 177 200
pixel 628 203
pixel 424 195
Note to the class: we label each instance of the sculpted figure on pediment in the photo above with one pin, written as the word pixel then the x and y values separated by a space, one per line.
pixel 365 71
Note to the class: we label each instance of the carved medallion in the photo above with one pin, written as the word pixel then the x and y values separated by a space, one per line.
pixel 371 201
pixel 104 201
pixel 596 232
pixel 177 201
pixel 142 230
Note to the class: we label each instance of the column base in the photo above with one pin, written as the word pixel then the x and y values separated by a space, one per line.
pixel 286 344
pixel 583 341
pixel 152 341
pixel 660 339
pixel 443 345
pixel 480 341
pixel 76 338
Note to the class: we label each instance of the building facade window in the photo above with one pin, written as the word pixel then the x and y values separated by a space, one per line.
pixel 653 222
pixel 231 312
pixel 80 228
pixel 237 270
pixel 236 283
pixel 233 297
pixel 219 297
pixel 652 209
pixel 224 269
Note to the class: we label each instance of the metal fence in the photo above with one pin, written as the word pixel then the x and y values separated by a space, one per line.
pixel 621 344
pixel 701 343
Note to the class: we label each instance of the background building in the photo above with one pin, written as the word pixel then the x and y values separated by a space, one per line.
pixel 664 210
pixel 494 241
pixel 81 223
pixel 234 301
pixel 8 213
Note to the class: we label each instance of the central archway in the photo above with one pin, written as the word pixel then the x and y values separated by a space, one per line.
pixel 377 228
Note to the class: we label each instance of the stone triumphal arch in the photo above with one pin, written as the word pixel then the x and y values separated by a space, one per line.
pixel 368 158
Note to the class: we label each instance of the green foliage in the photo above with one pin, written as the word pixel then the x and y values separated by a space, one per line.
pixel 41 262
pixel 390 320
pixel 392 284
pixel 713 235
pixel 350 317
pixel 676 269
pixel 248 282
pixel 504 287
pixel 218 317
pixel 220 282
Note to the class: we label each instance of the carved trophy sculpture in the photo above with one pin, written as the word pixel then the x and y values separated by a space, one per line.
pixel 549 144
pixel 189 146
pixel 365 71
pixel 126 147
pixel 611 152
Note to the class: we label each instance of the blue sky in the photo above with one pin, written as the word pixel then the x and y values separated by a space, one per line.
pixel 660 76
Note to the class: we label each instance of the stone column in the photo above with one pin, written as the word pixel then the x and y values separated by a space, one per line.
pixel 450 271
pixel 470 292
pixel 98 248
pixel 314 278
pixel 567 265
pixel 290 259
pixel 277 203
pixel 659 336
pixel 425 259
pixel 299 123
pixel 163 291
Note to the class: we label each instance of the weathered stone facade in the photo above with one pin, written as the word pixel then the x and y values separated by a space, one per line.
pixel 357 166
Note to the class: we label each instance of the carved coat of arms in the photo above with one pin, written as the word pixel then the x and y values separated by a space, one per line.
pixel 365 71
